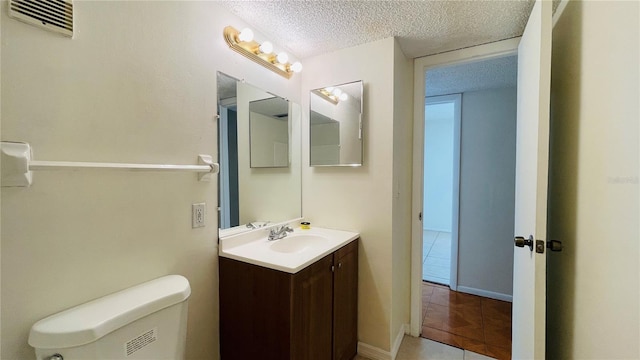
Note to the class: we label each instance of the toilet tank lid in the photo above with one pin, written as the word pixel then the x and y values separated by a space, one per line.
pixel 90 321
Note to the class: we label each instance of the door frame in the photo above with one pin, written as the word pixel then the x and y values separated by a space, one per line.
pixel 456 99
pixel 421 66
pixel 224 204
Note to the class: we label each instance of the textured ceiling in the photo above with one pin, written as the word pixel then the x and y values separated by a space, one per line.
pixel 308 28
pixel 487 74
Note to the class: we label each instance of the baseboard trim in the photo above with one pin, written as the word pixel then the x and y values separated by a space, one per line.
pixel 485 293
pixel 404 329
pixel 375 353
pixel 437 230
pixel 372 352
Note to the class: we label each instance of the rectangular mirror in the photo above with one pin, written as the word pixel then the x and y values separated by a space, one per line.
pixel 269 132
pixel 336 125
pixel 253 189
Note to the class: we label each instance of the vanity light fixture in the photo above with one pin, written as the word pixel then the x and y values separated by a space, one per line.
pixel 243 43
pixel 296 67
pixel 283 58
pixel 266 48
pixel 331 94
pixel 246 35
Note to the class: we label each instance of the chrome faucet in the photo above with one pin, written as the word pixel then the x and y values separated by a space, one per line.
pixel 277 233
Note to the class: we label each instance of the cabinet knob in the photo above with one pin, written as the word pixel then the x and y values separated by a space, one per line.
pixel 339 265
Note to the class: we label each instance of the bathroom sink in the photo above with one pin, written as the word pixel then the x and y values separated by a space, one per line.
pixel 291 254
pixel 298 243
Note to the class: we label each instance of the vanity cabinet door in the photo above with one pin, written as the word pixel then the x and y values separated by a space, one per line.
pixel 255 312
pixel 345 302
pixel 312 304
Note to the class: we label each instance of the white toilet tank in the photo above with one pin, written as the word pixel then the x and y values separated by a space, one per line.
pixel 147 321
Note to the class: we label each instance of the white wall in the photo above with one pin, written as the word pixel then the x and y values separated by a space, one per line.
pixel 136 84
pixel 438 166
pixel 487 190
pixel 360 198
pixel 593 285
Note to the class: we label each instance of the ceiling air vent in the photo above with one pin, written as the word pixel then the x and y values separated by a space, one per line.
pixel 53 15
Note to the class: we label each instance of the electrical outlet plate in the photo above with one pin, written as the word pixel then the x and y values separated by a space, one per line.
pixel 198 215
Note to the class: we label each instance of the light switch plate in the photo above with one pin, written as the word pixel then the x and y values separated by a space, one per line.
pixel 198 212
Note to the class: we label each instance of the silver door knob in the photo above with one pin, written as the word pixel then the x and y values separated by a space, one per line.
pixel 520 241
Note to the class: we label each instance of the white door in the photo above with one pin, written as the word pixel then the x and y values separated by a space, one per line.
pixel 532 166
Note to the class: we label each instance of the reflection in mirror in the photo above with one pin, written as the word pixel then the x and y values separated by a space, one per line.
pixel 269 132
pixel 336 125
pixel 253 196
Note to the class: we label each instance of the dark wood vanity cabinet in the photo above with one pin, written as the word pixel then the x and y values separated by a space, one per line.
pixel 345 302
pixel 309 315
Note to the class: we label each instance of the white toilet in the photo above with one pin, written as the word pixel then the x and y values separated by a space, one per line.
pixel 147 321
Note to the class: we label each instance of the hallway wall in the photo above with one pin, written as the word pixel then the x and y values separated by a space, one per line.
pixel 487 192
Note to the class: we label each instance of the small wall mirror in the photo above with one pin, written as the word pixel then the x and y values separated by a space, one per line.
pixel 336 125
pixel 269 132
pixel 255 190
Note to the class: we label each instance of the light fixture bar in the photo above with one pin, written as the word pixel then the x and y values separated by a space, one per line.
pixel 251 50
pixel 324 94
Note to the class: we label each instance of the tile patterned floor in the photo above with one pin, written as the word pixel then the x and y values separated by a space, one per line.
pixel 436 259
pixel 424 349
pixel 470 322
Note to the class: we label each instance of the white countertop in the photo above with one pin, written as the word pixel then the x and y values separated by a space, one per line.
pixel 254 248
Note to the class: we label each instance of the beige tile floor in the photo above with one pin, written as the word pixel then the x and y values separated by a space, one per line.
pixel 418 349
pixel 436 262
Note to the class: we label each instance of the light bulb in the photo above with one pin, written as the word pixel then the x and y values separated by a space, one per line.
pixel 329 89
pixel 296 67
pixel 283 58
pixel 343 96
pixel 245 35
pixel 266 47
pixel 337 92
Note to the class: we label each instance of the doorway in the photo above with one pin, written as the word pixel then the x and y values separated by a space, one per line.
pixel 441 180
pixel 481 281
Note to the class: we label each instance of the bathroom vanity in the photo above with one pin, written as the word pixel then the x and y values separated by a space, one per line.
pixel 304 309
